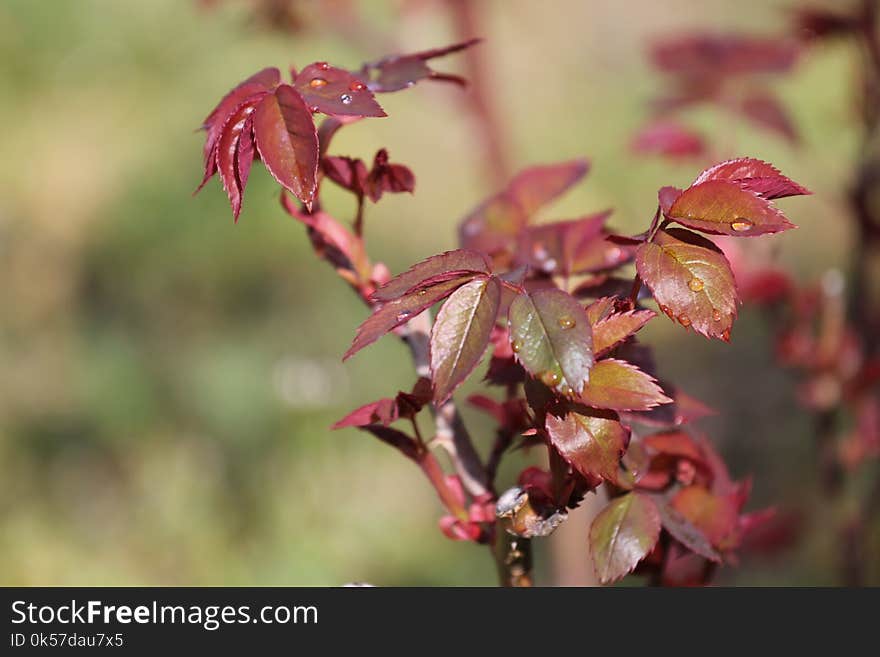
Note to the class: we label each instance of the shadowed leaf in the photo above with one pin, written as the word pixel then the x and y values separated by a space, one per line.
pixel 685 532
pixel 593 445
pixel 622 535
pixel 461 333
pixel 459 262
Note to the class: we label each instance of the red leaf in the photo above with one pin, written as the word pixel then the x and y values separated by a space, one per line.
pixel 715 515
pixel 348 173
pixel 593 445
pixel 764 110
pixel 667 196
pixel 753 175
pixel 551 336
pixel 622 534
pixel 388 177
pixel 397 72
pixel 674 443
pixel 244 155
pixel 620 386
pixel 461 333
pixel 399 311
pixel 227 149
pixel 691 281
pixel 612 328
pixel 685 532
pixel 382 412
pixel 670 139
pixel 716 55
pixel 726 208
pixel 492 225
pixel 287 141
pixel 460 262
pixel 334 91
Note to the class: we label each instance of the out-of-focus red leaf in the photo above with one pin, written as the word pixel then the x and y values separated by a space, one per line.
pixel 493 225
pixel 763 109
pixel 683 410
pixel 721 207
pixel 718 55
pixel 460 262
pixel 822 23
pixel 673 443
pixel 691 281
pixel 622 534
pixel 398 311
pixel 551 336
pixel 334 91
pixel 669 139
pixel 667 196
pixel 592 445
pixel 388 177
pixel 461 333
pixel 685 532
pixel 715 515
pixel 397 72
pixel 348 173
pixel 753 175
pixel 287 141
pixel 620 386
pixel 383 412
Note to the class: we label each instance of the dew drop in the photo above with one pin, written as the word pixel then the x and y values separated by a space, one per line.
pixel 567 390
pixel 566 322
pixel 403 315
pixel 422 292
pixel 317 83
pixel 684 320
pixel 516 345
pixel 357 85
pixel 696 284
pixel 666 310
pixel 741 225
pixel 550 378
pixel 726 335
pixel 322 65
pixel 716 315
pixel 346 99
pixel 314 109
pixel 613 254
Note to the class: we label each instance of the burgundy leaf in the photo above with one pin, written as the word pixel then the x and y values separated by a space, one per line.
pixel 460 262
pixel 227 149
pixel 691 281
pixel 399 311
pixel 334 91
pixel 287 141
pixel 397 72
pixel 764 110
pixel 382 412
pixel 244 155
pixel 620 386
pixel 622 534
pixel 388 177
pixel 670 139
pixel 461 333
pixel 717 55
pixel 348 173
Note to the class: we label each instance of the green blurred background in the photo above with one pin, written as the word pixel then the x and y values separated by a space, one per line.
pixel 169 378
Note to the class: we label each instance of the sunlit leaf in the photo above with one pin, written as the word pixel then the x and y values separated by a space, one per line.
pixel 335 91
pixel 593 445
pixel 610 328
pixel 458 262
pixel 755 176
pixel 691 281
pixel 621 386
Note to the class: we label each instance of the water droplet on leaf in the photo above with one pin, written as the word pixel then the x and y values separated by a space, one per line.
pixel 403 315
pixel 696 284
pixel 515 346
pixel 666 310
pixel 322 65
pixel 684 320
pixel 716 315
pixel 726 335
pixel 346 99
pixel 357 85
pixel 566 322
pixel 741 225
pixel 567 390
pixel 549 378
pixel 317 83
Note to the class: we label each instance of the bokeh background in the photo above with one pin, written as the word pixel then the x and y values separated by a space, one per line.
pixel 168 378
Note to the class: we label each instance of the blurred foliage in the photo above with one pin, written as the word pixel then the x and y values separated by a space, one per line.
pixel 168 378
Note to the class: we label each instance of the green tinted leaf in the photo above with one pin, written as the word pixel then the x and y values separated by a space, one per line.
pixel 461 333
pixel 622 535
pixel 593 445
pixel 551 336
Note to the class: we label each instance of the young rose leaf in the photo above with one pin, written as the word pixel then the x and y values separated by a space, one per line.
pixel 669 139
pixel 685 532
pixel 622 534
pixel 592 445
pixel 388 177
pixel 348 173
pixel 551 336
pixel 667 196
pixel 382 412
pixel 716 516
pixel 227 149
pixel 334 91
pixel 722 207
pixel 691 281
pixel 496 222
pixel 287 141
pixel 673 443
pixel 766 111
pixel 460 262
pixel 570 247
pixel 244 154
pixel 700 56
pixel 397 72
pixel 399 311
pixel 461 333
pixel 755 176
pixel 611 328
pixel 620 386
